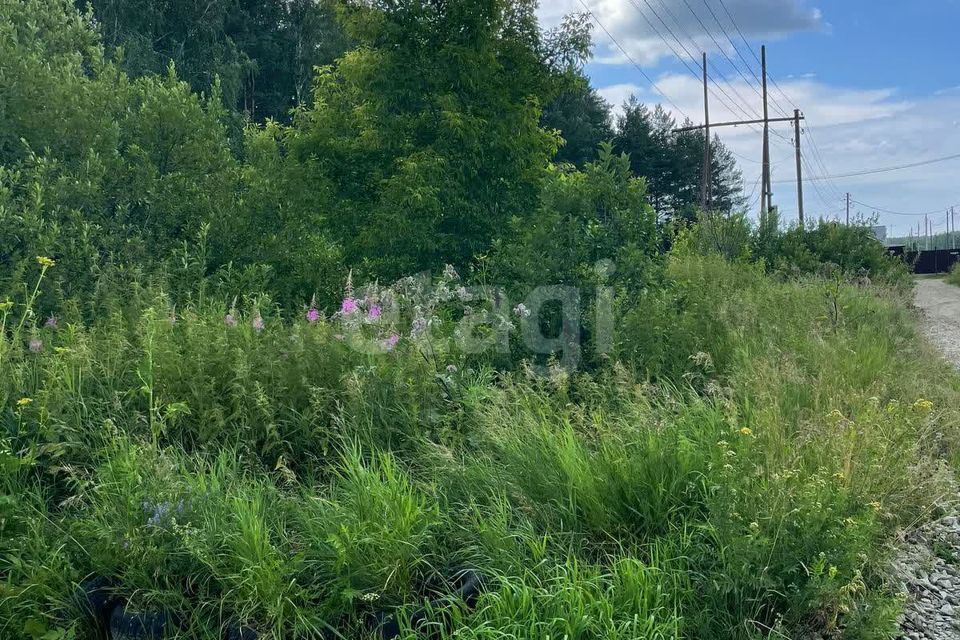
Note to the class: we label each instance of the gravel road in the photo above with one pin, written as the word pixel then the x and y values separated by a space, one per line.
pixel 928 564
pixel 939 303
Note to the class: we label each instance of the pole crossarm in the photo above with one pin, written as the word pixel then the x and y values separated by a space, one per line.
pixel 732 124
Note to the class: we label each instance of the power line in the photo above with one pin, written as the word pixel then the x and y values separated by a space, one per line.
pixel 885 169
pixel 632 61
pixel 680 57
pixel 906 213
pixel 747 44
pixel 720 48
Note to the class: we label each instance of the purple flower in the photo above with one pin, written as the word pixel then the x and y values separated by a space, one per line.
pixel 257 323
pixel 36 345
pixel 374 312
pixel 312 315
pixel 51 322
pixel 391 342
pixel 229 320
pixel 348 306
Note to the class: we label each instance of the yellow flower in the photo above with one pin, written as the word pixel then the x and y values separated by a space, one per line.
pixel 45 262
pixel 835 415
pixel 874 505
pixel 838 475
pixel 923 405
pixel 746 431
pixel 22 402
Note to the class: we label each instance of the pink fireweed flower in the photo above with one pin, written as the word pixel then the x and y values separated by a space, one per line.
pixel 51 322
pixel 36 345
pixel 313 315
pixel 348 306
pixel 230 320
pixel 391 342
pixel 257 323
pixel 374 312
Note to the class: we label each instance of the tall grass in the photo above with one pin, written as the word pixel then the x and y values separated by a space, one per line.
pixel 739 466
pixel 954 276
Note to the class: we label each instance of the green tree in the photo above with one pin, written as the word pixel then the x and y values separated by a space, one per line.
pixel 263 51
pixel 672 162
pixel 426 137
pixel 582 118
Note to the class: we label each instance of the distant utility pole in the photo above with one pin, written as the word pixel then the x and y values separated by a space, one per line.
pixel 766 198
pixel 707 177
pixel 848 208
pixel 796 144
pixel 926 232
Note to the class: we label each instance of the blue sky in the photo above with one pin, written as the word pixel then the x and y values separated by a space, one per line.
pixel 878 82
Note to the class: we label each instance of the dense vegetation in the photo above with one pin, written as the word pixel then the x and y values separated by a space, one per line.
pixel 954 275
pixel 298 374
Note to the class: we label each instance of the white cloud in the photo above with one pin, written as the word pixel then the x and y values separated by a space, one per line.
pixel 643 27
pixel 854 130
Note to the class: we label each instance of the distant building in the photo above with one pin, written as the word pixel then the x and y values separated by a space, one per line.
pixel 880 232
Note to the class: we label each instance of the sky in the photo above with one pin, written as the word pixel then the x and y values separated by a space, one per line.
pixel 878 82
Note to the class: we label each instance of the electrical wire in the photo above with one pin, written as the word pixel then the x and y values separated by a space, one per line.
pixel 867 172
pixel 906 213
pixel 653 84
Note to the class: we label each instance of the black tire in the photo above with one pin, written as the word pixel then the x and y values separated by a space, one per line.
pixel 126 624
pixel 95 600
pixel 240 632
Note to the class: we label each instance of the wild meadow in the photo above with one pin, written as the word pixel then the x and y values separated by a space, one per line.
pixel 417 357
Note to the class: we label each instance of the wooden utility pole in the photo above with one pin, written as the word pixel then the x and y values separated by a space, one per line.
pixel 765 197
pixel 796 144
pixel 926 232
pixel 707 178
pixel 848 208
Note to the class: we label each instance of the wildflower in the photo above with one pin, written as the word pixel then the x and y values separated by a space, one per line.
pixel 370 597
pixel 521 311
pixel 173 316
pixel 746 431
pixel 374 312
pixel 876 506
pixel 45 262
pixel 229 320
pixel 418 326
pixel 451 368
pixel 22 402
pixel 838 475
pixel 391 342
pixel 722 444
pixel 157 512
pixel 257 323
pixel 36 345
pixel 923 405
pixel 450 273
pixel 51 322
pixel 348 306
pixel 61 350
pixel 754 526
pixel 312 315
pixel 835 416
